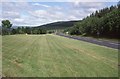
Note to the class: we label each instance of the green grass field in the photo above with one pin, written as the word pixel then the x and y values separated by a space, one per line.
pixel 56 56
pixel 0 55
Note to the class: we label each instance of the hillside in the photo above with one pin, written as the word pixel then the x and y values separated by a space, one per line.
pixel 102 23
pixel 57 25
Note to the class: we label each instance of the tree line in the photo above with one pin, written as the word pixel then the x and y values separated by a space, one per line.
pixel 8 30
pixel 104 23
pixel 28 30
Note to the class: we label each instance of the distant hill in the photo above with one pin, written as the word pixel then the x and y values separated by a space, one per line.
pixel 54 25
pixel 58 25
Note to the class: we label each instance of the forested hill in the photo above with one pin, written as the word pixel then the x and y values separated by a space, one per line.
pixel 58 25
pixel 105 22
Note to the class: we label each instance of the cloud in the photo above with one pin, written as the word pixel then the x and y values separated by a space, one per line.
pixel 8 14
pixel 92 9
pixel 59 0
pixel 42 16
pixel 41 5
pixel 19 20
pixel 38 13
pixel 87 5
pixel 0 10
pixel 36 4
pixel 83 9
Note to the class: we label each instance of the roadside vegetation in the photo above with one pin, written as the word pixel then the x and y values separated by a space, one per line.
pixel 102 23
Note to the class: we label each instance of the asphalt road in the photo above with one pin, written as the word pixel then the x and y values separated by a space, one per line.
pixel 115 45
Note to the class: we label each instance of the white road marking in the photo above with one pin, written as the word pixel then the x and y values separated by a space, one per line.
pixel 114 43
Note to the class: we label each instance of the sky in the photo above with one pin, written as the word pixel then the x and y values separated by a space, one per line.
pixel 34 13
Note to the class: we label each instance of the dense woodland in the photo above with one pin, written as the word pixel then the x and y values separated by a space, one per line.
pixel 102 23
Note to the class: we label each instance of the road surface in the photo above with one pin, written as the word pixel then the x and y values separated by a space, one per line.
pixel 115 45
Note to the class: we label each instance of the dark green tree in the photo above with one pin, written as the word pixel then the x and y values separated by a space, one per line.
pixel 14 31
pixel 6 25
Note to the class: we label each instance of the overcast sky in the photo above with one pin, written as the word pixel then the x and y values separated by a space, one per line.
pixel 38 13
